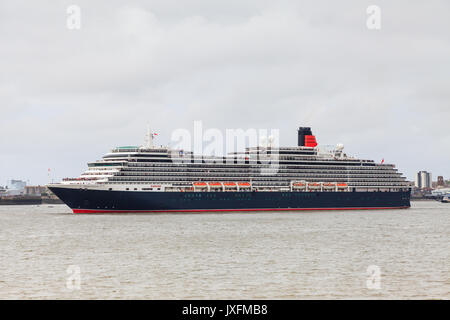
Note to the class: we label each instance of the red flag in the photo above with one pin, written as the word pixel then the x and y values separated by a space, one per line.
pixel 382 161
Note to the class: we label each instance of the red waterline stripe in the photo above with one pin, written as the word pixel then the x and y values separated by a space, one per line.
pixel 227 210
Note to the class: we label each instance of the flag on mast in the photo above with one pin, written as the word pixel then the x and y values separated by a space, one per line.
pixel 382 160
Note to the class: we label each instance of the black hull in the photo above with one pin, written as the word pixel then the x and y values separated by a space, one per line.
pixel 92 201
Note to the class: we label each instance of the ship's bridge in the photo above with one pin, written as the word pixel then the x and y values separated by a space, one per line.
pixel 126 149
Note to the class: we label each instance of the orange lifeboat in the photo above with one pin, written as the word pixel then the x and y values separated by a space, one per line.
pixel 342 186
pixel 215 185
pixel 200 186
pixel 329 185
pixel 229 184
pixel 244 184
pixel 299 184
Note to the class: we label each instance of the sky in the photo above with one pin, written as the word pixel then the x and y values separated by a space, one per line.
pixel 67 96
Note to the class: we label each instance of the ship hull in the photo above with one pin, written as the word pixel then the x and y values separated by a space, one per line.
pixel 105 201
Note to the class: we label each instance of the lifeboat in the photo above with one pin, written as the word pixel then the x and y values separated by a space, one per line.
pixel 230 186
pixel 342 186
pixel 215 184
pixel 329 185
pixel 201 186
pixel 314 185
pixel 299 184
pixel 244 184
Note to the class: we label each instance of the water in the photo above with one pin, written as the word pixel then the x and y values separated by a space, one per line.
pixel 303 255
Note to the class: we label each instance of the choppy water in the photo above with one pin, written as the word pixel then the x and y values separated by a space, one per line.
pixel 301 255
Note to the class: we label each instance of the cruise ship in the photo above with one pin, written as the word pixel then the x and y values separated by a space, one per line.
pixel 260 178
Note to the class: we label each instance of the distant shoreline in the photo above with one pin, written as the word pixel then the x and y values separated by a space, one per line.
pixel 30 200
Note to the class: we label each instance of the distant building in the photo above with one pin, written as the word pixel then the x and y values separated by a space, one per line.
pixel 16 187
pixel 423 180
pixel 440 181
pixel 17 184
pixel 36 190
pixel 440 192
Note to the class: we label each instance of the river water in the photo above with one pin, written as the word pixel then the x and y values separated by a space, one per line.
pixel 48 253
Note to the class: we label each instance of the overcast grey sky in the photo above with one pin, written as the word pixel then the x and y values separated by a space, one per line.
pixel 68 96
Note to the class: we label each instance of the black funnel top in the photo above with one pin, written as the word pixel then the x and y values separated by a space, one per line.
pixel 302 132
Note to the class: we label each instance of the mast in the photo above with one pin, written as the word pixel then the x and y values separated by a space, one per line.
pixel 149 138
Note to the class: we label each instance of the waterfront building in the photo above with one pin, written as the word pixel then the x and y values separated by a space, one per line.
pixel 36 190
pixel 423 180
pixel 16 187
